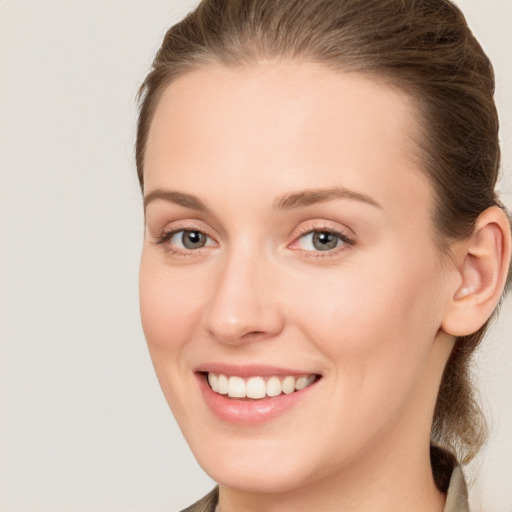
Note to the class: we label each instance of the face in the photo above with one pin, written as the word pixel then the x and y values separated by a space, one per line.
pixel 289 264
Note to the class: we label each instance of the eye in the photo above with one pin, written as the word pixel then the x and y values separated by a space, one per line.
pixel 322 240
pixel 186 239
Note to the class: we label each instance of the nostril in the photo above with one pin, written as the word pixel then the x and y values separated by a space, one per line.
pixel 253 334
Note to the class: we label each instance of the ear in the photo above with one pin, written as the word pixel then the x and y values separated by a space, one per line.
pixel 482 267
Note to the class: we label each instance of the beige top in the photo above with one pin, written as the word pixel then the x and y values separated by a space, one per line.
pixel 456 497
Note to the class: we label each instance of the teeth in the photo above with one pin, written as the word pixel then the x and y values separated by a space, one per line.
pixel 213 380
pixel 288 385
pixel 236 387
pixel 222 385
pixel 304 382
pixel 273 386
pixel 257 387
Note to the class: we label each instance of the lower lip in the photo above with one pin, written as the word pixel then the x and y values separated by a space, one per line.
pixel 250 412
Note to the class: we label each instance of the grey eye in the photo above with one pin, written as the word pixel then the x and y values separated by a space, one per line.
pixel 323 241
pixel 189 239
pixel 320 241
pixel 193 239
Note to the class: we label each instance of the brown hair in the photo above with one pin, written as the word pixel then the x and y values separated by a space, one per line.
pixel 423 47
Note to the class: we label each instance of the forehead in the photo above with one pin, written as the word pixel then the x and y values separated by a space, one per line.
pixel 285 122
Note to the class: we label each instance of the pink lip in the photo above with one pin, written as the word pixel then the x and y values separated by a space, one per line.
pixel 250 412
pixel 246 371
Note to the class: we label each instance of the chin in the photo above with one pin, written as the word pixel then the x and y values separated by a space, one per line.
pixel 247 478
pixel 259 467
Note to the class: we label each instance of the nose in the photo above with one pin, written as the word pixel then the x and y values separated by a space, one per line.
pixel 243 306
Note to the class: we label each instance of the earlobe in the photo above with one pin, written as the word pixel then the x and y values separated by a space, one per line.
pixel 482 267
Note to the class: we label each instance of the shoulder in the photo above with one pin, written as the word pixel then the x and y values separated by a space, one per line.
pixel 206 504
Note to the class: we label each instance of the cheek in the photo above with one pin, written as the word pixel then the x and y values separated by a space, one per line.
pixel 170 305
pixel 375 322
pixel 364 307
pixel 170 312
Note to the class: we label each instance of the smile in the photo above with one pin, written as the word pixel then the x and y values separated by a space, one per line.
pixel 251 395
pixel 257 387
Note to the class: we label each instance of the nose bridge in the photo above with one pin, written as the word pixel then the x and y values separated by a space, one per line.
pixel 240 307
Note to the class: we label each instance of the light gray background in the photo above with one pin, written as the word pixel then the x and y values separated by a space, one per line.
pixel 83 424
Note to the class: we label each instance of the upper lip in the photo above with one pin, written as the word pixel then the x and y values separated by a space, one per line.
pixel 250 370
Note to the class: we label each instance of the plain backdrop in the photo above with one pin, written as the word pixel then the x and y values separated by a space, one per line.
pixel 83 424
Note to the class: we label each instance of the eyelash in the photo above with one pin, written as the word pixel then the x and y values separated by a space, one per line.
pixel 345 240
pixel 166 236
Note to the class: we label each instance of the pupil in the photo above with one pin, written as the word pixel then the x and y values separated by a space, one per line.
pixel 324 241
pixel 193 239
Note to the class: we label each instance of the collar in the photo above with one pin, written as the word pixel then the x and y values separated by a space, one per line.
pixel 457 495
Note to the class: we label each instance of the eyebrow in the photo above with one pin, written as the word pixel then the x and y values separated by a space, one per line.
pixel 313 196
pixel 179 198
pixel 290 201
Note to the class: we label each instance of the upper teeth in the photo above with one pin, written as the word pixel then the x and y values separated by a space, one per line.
pixel 257 387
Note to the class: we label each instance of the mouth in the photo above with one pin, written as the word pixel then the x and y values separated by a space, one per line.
pixel 257 387
pixel 254 394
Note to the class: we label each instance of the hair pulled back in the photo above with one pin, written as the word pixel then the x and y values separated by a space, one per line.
pixel 423 47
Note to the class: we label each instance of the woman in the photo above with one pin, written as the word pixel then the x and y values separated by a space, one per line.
pixel 323 248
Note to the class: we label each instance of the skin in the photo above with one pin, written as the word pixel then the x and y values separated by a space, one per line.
pixel 366 317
